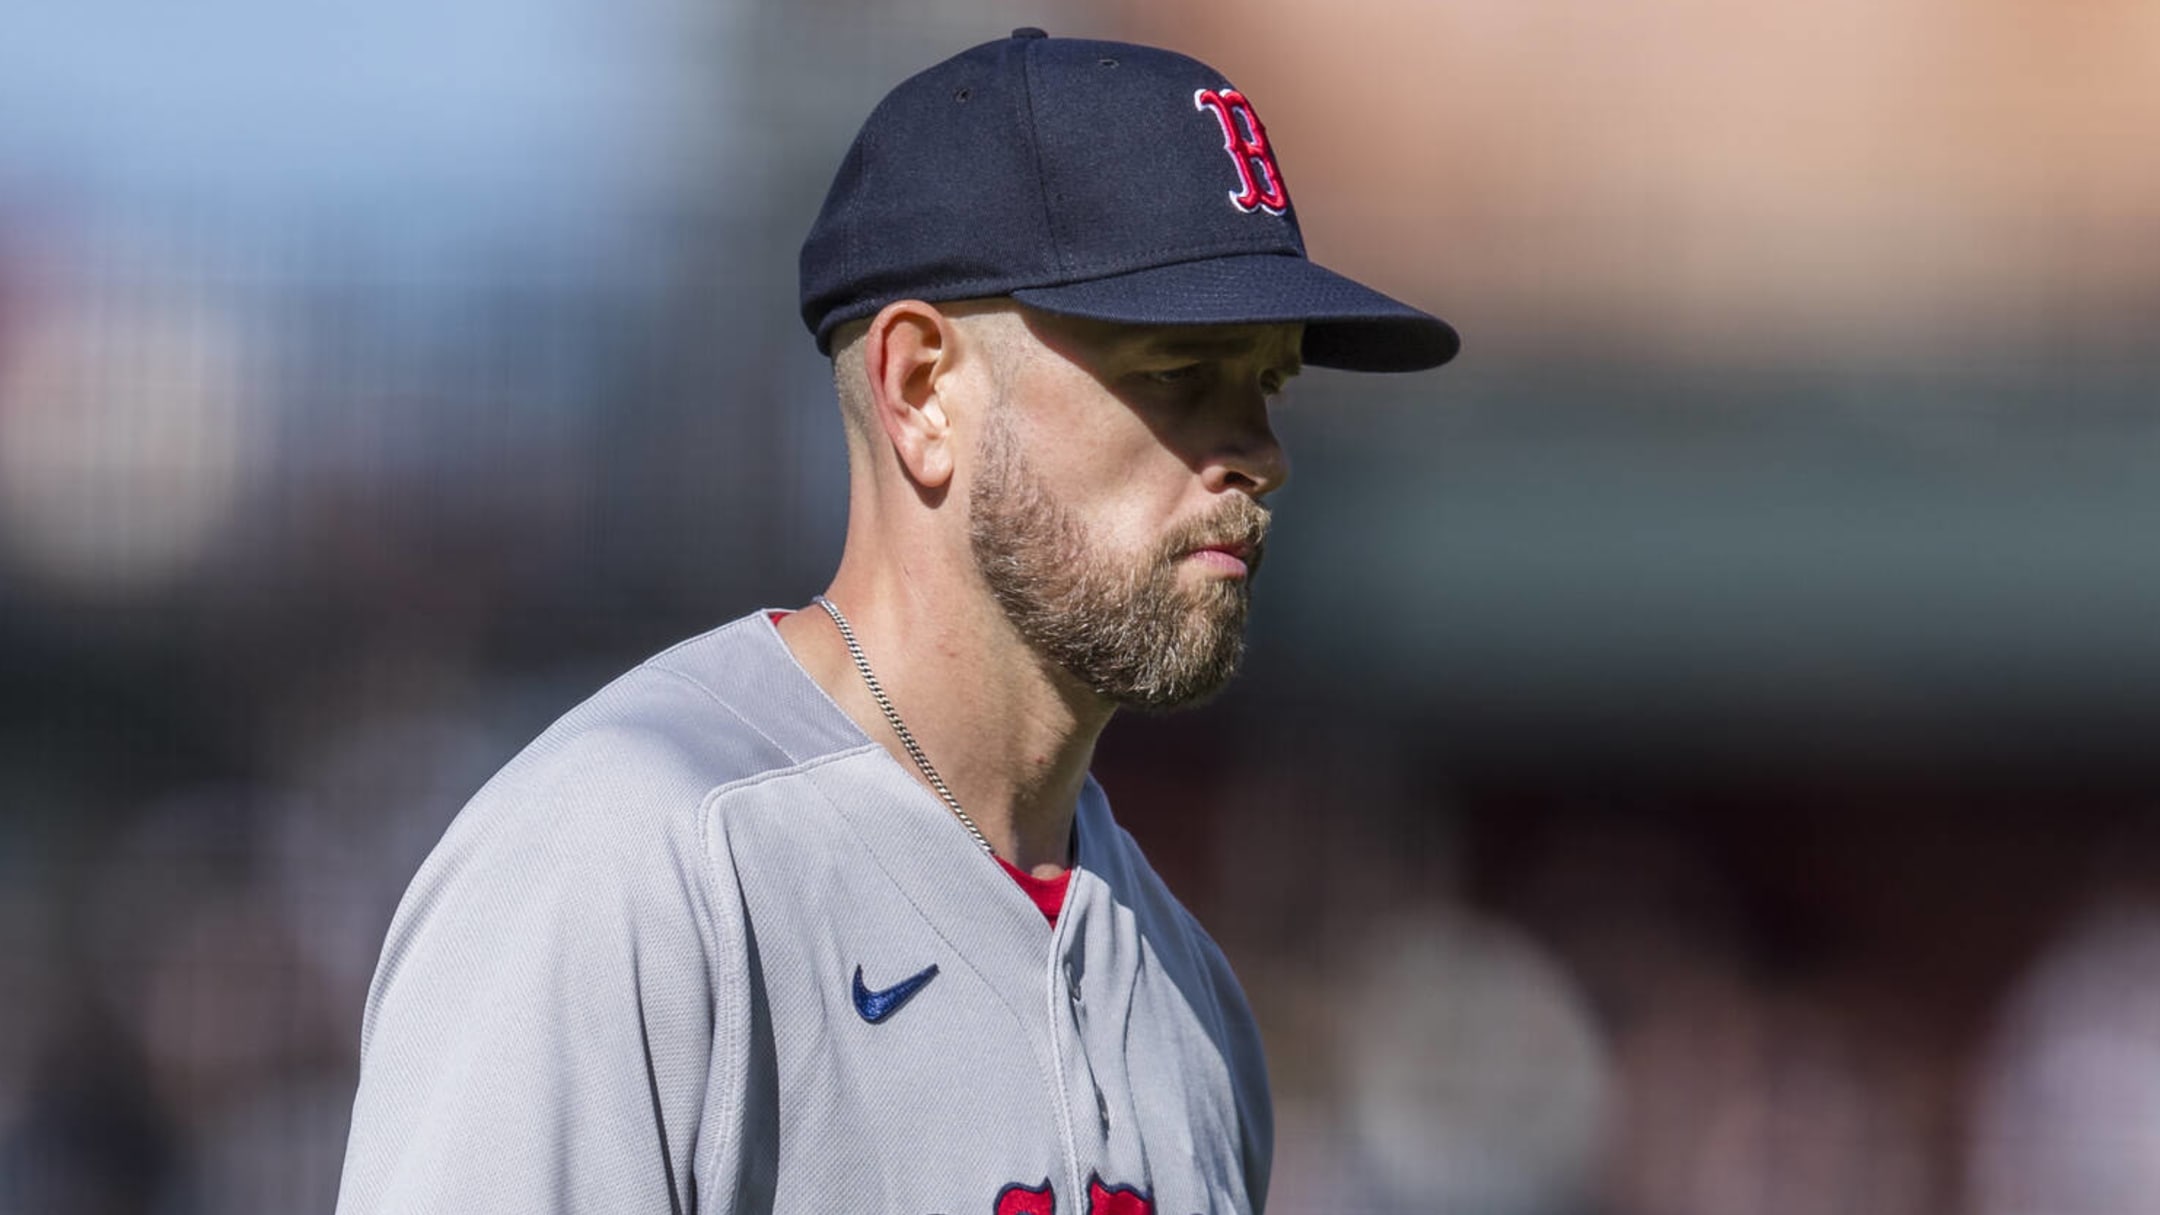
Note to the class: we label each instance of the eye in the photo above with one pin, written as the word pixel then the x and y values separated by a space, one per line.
pixel 1182 374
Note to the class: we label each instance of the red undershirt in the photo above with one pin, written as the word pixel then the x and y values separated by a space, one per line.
pixel 1048 894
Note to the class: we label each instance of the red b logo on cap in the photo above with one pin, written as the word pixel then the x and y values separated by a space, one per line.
pixel 1246 141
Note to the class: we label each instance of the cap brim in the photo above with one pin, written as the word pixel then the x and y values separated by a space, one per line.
pixel 1347 324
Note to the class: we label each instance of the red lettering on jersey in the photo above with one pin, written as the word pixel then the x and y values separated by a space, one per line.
pixel 1246 141
pixel 1017 1199
pixel 1117 1199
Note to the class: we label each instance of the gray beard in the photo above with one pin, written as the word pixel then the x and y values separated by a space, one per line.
pixel 1127 630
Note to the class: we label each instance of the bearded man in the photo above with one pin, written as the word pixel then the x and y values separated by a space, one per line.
pixel 822 909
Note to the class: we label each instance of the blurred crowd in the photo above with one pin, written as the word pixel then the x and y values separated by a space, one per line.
pixel 1692 759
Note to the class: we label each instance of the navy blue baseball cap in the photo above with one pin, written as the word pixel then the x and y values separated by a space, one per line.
pixel 1092 179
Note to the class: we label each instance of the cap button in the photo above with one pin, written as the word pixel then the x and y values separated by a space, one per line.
pixel 1029 31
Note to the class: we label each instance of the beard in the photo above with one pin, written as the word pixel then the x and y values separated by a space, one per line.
pixel 1123 625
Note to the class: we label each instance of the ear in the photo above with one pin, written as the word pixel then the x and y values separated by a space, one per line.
pixel 908 352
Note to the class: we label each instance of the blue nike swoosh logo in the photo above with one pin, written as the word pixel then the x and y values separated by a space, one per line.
pixel 875 1006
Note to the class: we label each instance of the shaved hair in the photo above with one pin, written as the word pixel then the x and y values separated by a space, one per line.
pixel 850 383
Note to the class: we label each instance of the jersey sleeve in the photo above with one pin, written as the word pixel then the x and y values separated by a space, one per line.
pixel 560 1018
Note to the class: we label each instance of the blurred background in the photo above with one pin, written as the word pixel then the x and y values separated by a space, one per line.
pixel 1695 757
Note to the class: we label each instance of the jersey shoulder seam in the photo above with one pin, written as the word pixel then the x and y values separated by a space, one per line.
pixel 713 694
pixel 721 701
pixel 792 770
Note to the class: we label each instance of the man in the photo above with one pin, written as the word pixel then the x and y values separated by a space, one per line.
pixel 821 911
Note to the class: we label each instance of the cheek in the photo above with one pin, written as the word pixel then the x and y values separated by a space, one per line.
pixel 1129 528
pixel 1104 465
pixel 1125 490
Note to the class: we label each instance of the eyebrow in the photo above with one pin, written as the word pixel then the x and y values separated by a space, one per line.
pixel 1219 347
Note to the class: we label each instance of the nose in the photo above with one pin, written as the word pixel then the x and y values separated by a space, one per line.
pixel 1246 455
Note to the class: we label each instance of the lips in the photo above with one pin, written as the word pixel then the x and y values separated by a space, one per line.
pixel 1232 541
pixel 1232 558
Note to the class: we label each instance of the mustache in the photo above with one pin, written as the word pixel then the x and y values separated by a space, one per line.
pixel 1240 522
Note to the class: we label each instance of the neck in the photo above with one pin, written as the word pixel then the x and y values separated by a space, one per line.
pixel 1010 735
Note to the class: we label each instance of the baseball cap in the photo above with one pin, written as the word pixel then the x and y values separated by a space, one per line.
pixel 1093 179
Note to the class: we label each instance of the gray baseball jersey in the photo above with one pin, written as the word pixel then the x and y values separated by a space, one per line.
pixel 705 946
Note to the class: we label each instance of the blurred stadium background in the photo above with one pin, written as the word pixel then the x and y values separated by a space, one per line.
pixel 1697 753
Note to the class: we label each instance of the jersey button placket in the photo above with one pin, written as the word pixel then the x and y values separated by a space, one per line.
pixel 1071 973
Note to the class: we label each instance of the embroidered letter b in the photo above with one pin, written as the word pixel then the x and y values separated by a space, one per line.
pixel 1246 141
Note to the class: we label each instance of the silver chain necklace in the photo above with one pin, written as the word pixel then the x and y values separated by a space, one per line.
pixel 892 718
